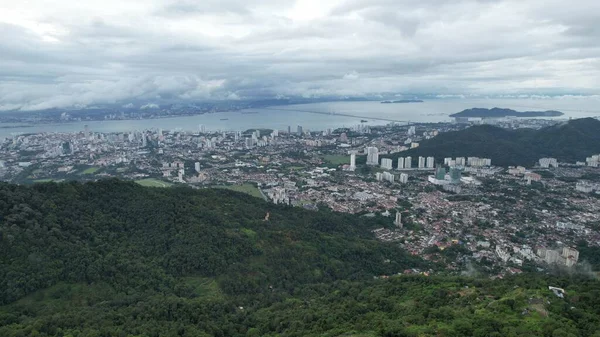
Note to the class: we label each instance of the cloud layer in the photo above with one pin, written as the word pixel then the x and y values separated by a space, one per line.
pixel 81 53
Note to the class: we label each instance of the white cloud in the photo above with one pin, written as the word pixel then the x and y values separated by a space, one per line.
pixel 93 52
pixel 353 75
pixel 149 106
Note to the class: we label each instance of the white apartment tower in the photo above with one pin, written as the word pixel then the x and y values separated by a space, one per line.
pixel 400 163
pixel 386 163
pixel 398 221
pixel 403 178
pixel 372 156
pixel 430 162
pixel 388 177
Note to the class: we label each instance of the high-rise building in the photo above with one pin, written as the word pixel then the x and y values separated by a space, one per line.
pixel 548 162
pixel 430 162
pixel 202 128
pixel 403 178
pixel 386 164
pixel 408 162
pixel 551 256
pixel 570 255
pixel 388 177
pixel 421 162
pixel 385 176
pixel 477 162
pixel 455 175
pixel 372 156
pixel 411 131
pixel 250 143
pixel 299 130
pixel 289 130
pixel 398 221
pixel 86 131
pixel 400 163
pixel 353 161
pixel 440 173
pixel 197 166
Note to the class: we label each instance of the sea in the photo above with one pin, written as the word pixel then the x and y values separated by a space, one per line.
pixel 321 116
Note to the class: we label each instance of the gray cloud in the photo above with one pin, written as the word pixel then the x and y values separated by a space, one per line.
pixel 109 52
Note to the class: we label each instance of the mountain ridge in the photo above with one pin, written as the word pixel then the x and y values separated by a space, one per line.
pixel 501 112
pixel 569 141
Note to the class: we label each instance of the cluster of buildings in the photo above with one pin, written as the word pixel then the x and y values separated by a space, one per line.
pixel 593 161
pixel 567 256
pixel 498 223
pixel 587 187
pixel 527 175
pixel 548 162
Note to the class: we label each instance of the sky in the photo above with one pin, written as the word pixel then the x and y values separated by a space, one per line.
pixel 67 53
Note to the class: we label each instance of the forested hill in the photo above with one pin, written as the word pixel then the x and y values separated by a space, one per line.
pixel 112 258
pixel 571 141
pixel 145 238
pixel 499 113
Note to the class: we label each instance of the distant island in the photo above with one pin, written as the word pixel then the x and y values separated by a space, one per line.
pixel 403 101
pixel 499 112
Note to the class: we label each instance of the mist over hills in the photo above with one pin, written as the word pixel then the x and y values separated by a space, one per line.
pixel 570 142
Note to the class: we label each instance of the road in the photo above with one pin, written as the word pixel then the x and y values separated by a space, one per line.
pixel 343 114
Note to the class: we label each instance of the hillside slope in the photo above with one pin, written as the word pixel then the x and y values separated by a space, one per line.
pixel 112 258
pixel 145 238
pixel 571 141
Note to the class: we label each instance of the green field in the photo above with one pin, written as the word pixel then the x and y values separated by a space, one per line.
pixel 43 180
pixel 90 170
pixel 151 182
pixel 245 188
pixel 203 287
pixel 337 159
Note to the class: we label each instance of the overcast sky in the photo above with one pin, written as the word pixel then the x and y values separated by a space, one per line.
pixel 62 53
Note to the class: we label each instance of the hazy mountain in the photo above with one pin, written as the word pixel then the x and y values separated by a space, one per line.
pixel 499 112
